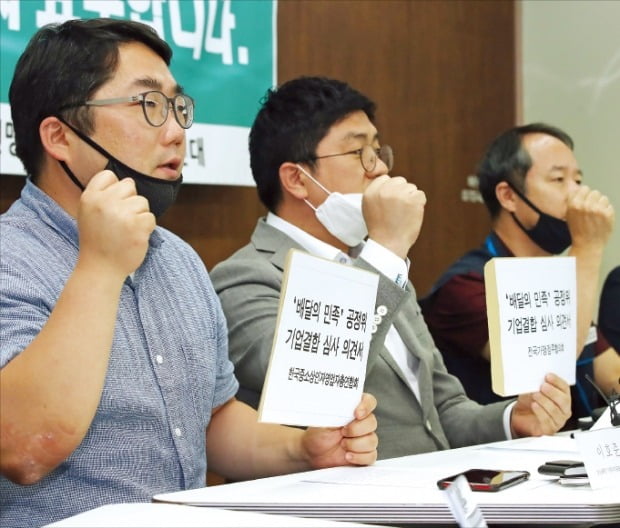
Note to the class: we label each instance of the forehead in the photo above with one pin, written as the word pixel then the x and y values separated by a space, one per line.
pixel 354 128
pixel 138 67
pixel 549 153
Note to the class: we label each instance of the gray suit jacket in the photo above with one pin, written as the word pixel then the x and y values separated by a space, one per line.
pixel 248 284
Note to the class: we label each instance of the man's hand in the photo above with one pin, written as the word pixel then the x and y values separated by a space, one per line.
pixel 590 218
pixel 114 224
pixel 353 444
pixel 394 209
pixel 543 412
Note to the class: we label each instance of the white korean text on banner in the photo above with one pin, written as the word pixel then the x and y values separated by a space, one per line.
pixel 223 55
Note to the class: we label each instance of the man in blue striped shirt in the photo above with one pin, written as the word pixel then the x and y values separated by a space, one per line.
pixel 114 346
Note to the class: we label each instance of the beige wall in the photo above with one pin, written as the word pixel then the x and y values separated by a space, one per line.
pixel 571 78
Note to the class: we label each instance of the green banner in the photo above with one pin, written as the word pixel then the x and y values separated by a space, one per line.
pixel 224 56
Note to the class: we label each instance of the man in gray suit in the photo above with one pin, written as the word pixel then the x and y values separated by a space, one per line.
pixel 322 174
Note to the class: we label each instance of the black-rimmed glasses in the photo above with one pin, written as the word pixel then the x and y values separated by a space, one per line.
pixel 368 156
pixel 155 106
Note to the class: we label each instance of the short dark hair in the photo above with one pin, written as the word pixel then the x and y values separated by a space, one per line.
pixel 292 121
pixel 506 159
pixel 64 64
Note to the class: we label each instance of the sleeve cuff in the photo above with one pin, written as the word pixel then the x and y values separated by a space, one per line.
pixel 507 415
pixel 388 263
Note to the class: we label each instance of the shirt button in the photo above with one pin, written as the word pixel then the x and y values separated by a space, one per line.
pixel 159 359
pixel 374 328
pixel 381 310
pixel 377 319
pixel 177 431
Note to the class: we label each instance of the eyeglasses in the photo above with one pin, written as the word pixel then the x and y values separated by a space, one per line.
pixel 155 106
pixel 368 156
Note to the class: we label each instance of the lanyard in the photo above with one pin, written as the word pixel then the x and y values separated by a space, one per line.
pixel 491 246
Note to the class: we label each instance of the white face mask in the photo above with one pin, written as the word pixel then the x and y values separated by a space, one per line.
pixel 341 215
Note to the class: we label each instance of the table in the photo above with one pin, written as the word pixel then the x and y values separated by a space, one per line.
pixel 403 490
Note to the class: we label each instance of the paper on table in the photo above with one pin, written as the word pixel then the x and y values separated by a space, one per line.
pixel 374 476
pixel 539 443
pixel 604 420
pixel 600 452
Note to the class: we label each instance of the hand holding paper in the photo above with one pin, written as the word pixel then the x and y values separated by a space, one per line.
pixel 543 412
pixel 531 308
pixel 352 444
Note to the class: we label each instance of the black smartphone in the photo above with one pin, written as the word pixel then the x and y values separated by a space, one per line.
pixel 563 468
pixel 487 479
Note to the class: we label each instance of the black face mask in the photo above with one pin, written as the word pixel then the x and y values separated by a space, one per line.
pixel 549 233
pixel 160 194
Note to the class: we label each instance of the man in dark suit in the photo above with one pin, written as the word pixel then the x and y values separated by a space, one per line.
pixel 321 171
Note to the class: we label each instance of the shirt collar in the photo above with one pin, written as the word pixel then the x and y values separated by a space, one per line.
pixel 49 211
pixel 311 244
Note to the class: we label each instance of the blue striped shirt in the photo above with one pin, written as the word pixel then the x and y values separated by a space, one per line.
pixel 168 366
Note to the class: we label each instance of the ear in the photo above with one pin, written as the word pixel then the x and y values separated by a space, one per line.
pixel 506 196
pixel 293 180
pixel 54 138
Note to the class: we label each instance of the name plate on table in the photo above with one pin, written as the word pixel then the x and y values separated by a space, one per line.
pixel 317 367
pixel 600 451
pixel 532 315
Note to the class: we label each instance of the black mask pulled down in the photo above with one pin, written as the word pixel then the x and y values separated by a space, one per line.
pixel 160 194
pixel 549 233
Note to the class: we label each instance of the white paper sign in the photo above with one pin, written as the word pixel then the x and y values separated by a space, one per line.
pixel 600 451
pixel 318 361
pixel 532 313
pixel 462 504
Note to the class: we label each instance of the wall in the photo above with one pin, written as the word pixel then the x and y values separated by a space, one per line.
pixel 443 75
pixel 571 78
